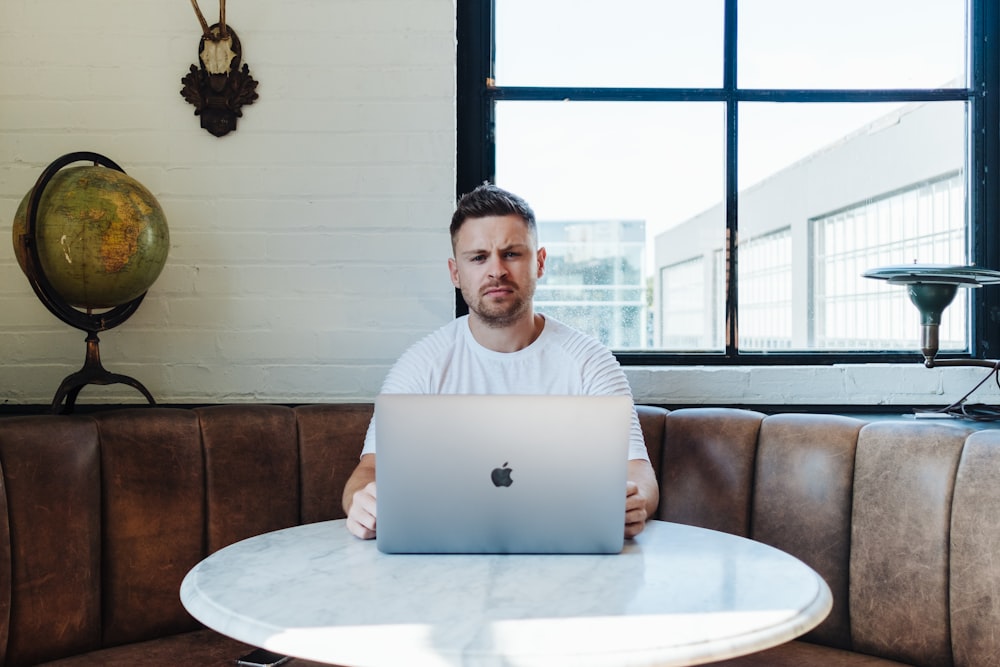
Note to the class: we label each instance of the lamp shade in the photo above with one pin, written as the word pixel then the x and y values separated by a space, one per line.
pixel 931 299
pixel 942 274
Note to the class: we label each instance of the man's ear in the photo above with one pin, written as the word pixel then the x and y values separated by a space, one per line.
pixel 541 262
pixel 453 270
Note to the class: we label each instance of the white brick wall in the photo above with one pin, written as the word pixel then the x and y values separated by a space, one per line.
pixel 307 248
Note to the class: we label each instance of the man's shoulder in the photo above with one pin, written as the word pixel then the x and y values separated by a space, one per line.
pixel 419 368
pixel 592 359
pixel 571 339
pixel 441 339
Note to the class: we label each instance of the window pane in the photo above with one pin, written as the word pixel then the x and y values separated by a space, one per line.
pixel 878 196
pixel 604 179
pixel 811 223
pixel 773 137
pixel 852 44
pixel 627 43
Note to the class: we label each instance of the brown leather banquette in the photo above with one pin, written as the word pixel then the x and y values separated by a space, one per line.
pixel 102 515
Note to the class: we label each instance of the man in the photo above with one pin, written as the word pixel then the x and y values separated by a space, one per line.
pixel 503 346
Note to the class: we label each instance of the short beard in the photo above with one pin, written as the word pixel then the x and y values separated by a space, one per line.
pixel 498 319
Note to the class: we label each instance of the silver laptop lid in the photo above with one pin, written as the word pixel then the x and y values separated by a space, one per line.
pixel 501 474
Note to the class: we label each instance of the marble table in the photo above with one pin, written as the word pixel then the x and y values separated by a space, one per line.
pixel 677 595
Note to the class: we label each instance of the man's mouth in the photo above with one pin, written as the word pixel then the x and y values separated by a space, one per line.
pixel 497 291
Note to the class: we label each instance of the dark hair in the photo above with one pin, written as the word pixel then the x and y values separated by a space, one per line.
pixel 489 200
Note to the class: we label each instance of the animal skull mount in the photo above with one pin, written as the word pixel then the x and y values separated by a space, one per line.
pixel 218 88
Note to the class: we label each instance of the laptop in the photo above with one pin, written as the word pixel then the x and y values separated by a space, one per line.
pixel 501 473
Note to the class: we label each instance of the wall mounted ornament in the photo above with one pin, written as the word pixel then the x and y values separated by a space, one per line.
pixel 219 88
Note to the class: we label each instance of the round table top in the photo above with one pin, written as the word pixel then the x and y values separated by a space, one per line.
pixel 676 595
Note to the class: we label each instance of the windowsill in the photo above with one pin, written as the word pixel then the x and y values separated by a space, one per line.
pixel 905 385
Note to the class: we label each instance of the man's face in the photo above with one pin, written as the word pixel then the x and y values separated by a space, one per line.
pixel 496 266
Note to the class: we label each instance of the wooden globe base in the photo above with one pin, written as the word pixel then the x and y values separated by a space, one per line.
pixel 92 372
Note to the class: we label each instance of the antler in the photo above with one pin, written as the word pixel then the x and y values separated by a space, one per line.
pixel 201 18
pixel 223 33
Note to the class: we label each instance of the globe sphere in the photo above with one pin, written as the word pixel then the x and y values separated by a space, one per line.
pixel 101 236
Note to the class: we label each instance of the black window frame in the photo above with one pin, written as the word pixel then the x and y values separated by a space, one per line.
pixel 476 156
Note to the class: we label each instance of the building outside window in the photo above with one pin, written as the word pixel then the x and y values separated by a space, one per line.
pixel 925 222
pixel 768 165
pixel 766 281
pixel 683 320
pixel 594 278
pixel 819 245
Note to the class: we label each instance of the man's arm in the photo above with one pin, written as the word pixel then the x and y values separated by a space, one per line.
pixel 359 499
pixel 642 495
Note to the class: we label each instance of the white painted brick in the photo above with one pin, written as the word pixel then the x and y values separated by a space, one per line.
pixel 191 381
pixel 26 384
pixel 22 309
pixel 40 346
pixel 354 247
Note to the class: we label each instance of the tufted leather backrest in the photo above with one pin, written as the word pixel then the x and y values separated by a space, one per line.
pixel 974 569
pixel 52 483
pixel 706 477
pixel 904 482
pixel 803 483
pixel 652 419
pixel 330 440
pixel 251 471
pixel 154 524
pixel 900 517
pixel 102 516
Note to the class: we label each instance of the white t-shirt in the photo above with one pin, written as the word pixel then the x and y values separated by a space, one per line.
pixel 561 360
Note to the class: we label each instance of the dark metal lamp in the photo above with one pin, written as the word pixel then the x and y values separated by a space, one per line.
pixel 932 288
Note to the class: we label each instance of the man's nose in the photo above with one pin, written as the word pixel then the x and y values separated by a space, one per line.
pixel 497 269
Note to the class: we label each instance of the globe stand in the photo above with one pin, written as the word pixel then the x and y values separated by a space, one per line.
pixel 92 372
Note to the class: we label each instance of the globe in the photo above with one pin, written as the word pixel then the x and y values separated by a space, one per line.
pixel 90 237
pixel 101 236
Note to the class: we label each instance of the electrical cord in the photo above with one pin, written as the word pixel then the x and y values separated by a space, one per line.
pixel 976 411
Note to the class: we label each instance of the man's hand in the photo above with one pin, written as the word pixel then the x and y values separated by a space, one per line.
pixel 642 495
pixel 635 510
pixel 359 499
pixel 361 516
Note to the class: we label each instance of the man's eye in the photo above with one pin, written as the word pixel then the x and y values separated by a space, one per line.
pixel 511 253
pixel 477 258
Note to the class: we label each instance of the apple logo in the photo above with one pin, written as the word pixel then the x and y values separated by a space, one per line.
pixel 501 476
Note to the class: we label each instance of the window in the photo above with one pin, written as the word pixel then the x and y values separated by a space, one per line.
pixel 712 178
